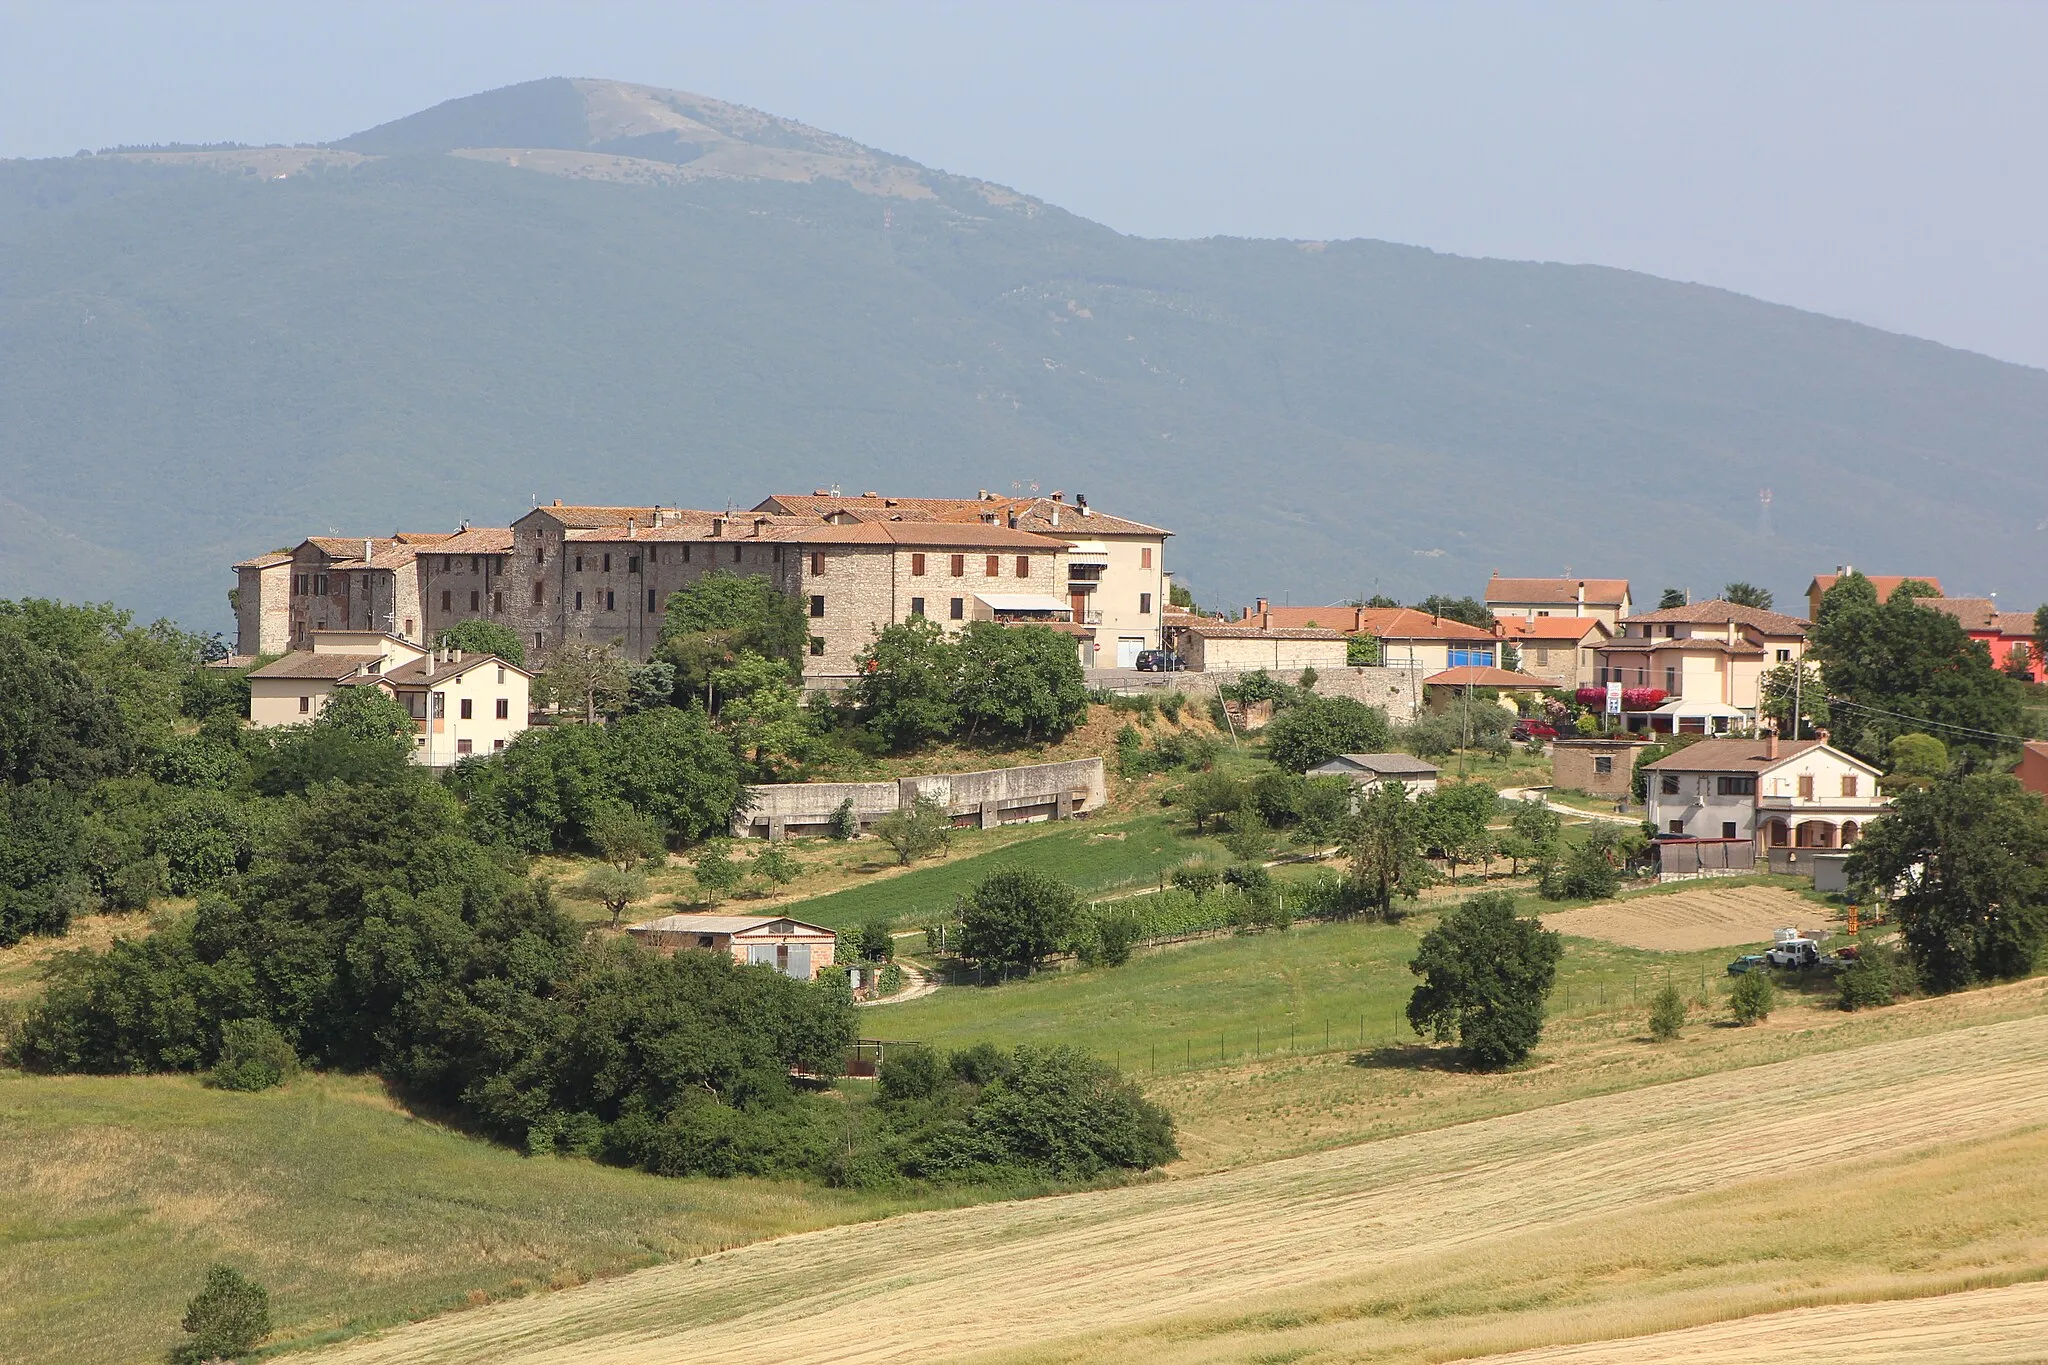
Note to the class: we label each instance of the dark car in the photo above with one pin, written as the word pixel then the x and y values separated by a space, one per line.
pixel 1159 661
pixel 1526 730
pixel 1754 962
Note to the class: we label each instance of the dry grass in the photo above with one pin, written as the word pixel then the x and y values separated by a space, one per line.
pixel 21 966
pixel 1553 1224
pixel 1687 921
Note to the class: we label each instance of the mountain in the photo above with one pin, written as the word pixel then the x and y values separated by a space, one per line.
pixel 596 291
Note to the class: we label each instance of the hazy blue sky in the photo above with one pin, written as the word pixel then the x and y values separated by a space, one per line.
pixel 1877 161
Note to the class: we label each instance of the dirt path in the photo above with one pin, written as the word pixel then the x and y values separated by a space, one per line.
pixel 1983 1327
pixel 917 984
pixel 1524 793
pixel 1023 1275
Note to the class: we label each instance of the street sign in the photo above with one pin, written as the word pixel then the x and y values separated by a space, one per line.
pixel 1614 699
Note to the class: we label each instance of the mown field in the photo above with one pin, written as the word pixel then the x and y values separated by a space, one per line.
pixel 1921 1162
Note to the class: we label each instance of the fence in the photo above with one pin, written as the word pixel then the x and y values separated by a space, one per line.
pixel 1684 859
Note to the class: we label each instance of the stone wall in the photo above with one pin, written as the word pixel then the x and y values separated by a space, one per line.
pixel 1575 765
pixel 1399 690
pixel 995 796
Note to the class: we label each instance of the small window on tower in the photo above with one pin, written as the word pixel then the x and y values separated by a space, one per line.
pixel 917 567
pixel 817 564
pixel 817 606
pixel 448 600
pixel 607 563
pixel 610 602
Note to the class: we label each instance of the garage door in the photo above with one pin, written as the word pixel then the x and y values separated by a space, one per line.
pixel 1127 647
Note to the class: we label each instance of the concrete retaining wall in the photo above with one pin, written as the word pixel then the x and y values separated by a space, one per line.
pixel 1399 690
pixel 995 796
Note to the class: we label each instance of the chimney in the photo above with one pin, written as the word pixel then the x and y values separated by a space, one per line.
pixel 1771 744
pixel 1081 502
pixel 631 529
pixel 1262 609
pixel 366 549
pixel 558 502
pixel 1820 734
pixel 1582 597
pixel 718 526
pixel 981 495
pixel 1057 496
pixel 1055 517
pixel 454 655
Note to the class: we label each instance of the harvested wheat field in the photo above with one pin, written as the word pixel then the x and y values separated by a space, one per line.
pixel 1688 921
pixel 1613 1216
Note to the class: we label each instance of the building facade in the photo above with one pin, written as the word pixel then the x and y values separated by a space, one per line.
pixel 1562 650
pixel 2002 633
pixel 1790 794
pixel 790 946
pixel 460 705
pixel 1708 658
pixel 1604 599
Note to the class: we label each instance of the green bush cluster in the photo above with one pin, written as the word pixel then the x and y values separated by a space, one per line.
pixel 225 1319
pixel 916 684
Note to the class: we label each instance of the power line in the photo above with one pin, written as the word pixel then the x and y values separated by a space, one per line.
pixel 1921 720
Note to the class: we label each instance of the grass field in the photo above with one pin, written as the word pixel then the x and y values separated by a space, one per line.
pixel 1921 1167
pixel 115 1193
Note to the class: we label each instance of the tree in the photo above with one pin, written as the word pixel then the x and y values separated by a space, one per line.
pixel 55 721
pixel 1384 846
pixel 1667 1013
pixel 591 679
pixel 1182 596
pixel 253 1056
pixel 1362 651
pixel 1794 686
pixel 1536 821
pixel 905 683
pixel 1897 668
pixel 1917 763
pixel 1965 866
pixel 1485 974
pixel 624 837
pixel 1453 819
pixel 2019 662
pixel 774 866
pixel 1586 871
pixel 615 888
pixel 1912 588
pixel 1867 982
pixel 760 706
pixel 1316 730
pixel 1672 597
pixel 1747 595
pixel 1209 793
pixel 362 738
pixel 669 763
pixel 718 876
pixel 1019 682
pixel 227 1317
pixel 1250 838
pixel 1470 610
pixel 1751 1000
pixel 918 831
pixel 746 612
pixel 1018 918
pixel 477 636
pixel 874 941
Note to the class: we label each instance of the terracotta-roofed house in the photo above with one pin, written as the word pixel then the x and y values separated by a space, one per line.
pixel 460 704
pixel 1235 647
pixel 2033 766
pixel 1707 659
pixel 2003 633
pixel 1885 583
pixel 1558 648
pixel 790 946
pixel 1604 599
pixel 1789 794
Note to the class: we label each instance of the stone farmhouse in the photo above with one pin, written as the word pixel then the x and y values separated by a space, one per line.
pixel 602 575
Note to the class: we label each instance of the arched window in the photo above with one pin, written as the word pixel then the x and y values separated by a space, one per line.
pixel 1850 833
pixel 1778 834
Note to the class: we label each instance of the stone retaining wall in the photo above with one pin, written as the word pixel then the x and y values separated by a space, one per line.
pixel 1399 690
pixel 991 797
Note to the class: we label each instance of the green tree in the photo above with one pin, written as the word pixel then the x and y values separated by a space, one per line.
pixel 1362 651
pixel 1316 730
pixel 228 1316
pixel 1469 610
pixel 1019 682
pixel 362 738
pixel 1536 821
pixel 923 828
pixel 1794 686
pixel 1250 838
pixel 2041 629
pixel 717 874
pixel 587 679
pixel 1452 820
pixel 1747 595
pixel 1485 975
pixel 56 723
pixel 1917 763
pixel 1018 918
pixel 760 706
pixel 1671 597
pixel 1383 843
pixel 1965 866
pixel 1867 982
pixel 614 888
pixel 626 838
pixel 253 1056
pixel 722 615
pixel 874 941
pixel 1667 1013
pixel 1584 871
pixel 1208 794
pixel 1897 668
pixel 1752 998
pixel 476 636
pixel 670 764
pixel 1911 588
pixel 905 685
pixel 774 866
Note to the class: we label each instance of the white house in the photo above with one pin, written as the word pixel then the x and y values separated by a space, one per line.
pixel 1368 771
pixel 1795 793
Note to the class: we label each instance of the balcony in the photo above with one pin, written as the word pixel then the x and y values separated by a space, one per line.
pixel 1088 618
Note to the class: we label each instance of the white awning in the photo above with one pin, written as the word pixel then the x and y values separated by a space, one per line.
pixel 1088 552
pixel 1020 601
pixel 1713 710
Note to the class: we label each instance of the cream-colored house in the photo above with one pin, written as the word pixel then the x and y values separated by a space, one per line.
pixel 1790 794
pixel 461 705
pixel 1604 599
pixel 1708 658
pixel 790 946
pixel 1217 647
pixel 1368 772
pixel 1559 649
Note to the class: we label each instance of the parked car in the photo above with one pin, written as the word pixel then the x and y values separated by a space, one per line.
pixel 1159 661
pixel 1526 730
pixel 1753 962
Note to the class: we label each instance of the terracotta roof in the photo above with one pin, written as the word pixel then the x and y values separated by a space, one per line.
pixel 1885 583
pixel 1547 627
pixel 583 515
pixel 1720 613
pixel 1604 592
pixel 477 540
pixel 939 535
pixel 1033 513
pixel 271 560
pixel 1981 614
pixel 1480 675
pixel 305 664
pixel 1406 623
pixel 1733 755
pixel 1237 630
pixel 719 924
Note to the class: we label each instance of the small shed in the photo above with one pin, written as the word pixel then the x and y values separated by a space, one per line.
pixel 1216 647
pixel 1603 767
pixel 1368 771
pixel 790 946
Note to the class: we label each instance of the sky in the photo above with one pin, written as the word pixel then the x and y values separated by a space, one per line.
pixel 1871 160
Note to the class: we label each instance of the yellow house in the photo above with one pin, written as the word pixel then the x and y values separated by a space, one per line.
pixel 460 704
pixel 1708 658
pixel 790 946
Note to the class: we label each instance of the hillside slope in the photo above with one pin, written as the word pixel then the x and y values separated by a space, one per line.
pixel 597 291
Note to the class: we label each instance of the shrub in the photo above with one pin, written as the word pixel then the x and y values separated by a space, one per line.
pixel 717 874
pixel 1362 651
pixel 1582 873
pixel 891 980
pixel 1170 704
pixel 226 1318
pixel 843 824
pixel 1751 1000
pixel 1130 752
pixel 1320 728
pixel 1867 982
pixel 1197 881
pixel 253 1056
pixel 1307 681
pixel 1667 1014
pixel 1116 932
pixel 874 941
pixel 918 832
pixel 1018 918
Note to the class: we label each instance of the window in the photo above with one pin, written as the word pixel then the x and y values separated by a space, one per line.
pixel 1144 604
pixel 497 602
pixel 817 607
pixel 610 602
pixel 1023 566
pixel 653 556
pixel 651 600
pixel 496 745
pixel 579 563
pixel 1671 682
pixel 472 601
pixel 504 705
pixel 473 562
pixel 319 585
pixel 817 646
pixel 501 675
pixel 735 554
pixel 917 566
pixel 1667 783
pixel 1728 829
pixel 579 601
pixel 959 566
pixel 1848 784
pixel 817 563
pixel 1736 784
pixel 467 709
pixel 686 554
pixel 536 594
pixel 1603 765
pixel 540 554
pixel 959 609
pixel 1458 656
pixel 1784 656
pixel 1806 786
pixel 607 563
pixel 448 600
pixel 305 705
pixel 917 606
pixel 1145 557
pixel 994 567
pixel 540 639
pixel 463 746
pixel 408 627
pixel 1678 826
pixel 1542 656
pixel 632 563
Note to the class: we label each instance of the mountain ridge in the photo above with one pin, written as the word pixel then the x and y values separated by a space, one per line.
pixel 245 347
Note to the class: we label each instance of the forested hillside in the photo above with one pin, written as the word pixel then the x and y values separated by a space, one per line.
pixel 208 354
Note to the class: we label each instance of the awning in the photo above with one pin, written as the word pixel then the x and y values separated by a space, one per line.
pixel 1020 601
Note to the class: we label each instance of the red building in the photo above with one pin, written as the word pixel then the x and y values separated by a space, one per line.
pixel 2001 631
pixel 2033 769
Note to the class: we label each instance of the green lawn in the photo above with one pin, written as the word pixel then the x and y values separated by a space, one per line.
pixel 116 1192
pixel 1094 857
pixel 1313 987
